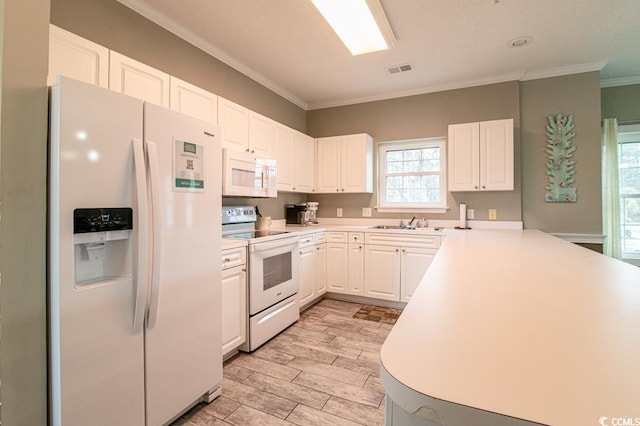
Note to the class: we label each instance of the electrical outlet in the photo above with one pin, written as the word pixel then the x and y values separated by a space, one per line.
pixel 493 214
pixel 366 212
pixel 339 212
pixel 471 214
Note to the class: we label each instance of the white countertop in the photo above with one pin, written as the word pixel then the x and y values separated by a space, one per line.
pixel 231 243
pixel 523 324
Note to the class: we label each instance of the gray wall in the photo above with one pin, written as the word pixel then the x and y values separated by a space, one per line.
pixel 578 95
pixel 622 102
pixel 424 116
pixel 23 206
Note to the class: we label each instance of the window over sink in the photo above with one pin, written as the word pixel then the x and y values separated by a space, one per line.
pixel 411 176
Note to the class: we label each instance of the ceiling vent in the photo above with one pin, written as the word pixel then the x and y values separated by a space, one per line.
pixel 399 68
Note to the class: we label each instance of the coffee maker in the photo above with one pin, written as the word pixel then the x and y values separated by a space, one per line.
pixel 312 208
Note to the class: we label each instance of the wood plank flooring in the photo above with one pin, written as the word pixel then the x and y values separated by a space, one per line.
pixel 323 370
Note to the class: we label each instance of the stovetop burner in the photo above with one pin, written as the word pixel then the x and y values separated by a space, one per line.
pixel 255 234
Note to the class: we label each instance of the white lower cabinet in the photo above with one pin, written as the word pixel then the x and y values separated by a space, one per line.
pixel 313 268
pixel 356 269
pixel 414 262
pixel 382 272
pixel 234 299
pixel 307 285
pixel 337 267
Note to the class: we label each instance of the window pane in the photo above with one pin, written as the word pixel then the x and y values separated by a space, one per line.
pixel 394 155
pixel 631 225
pixel 412 154
pixel 393 182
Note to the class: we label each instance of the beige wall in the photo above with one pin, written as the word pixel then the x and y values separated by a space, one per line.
pixel 117 27
pixel 423 116
pixel 578 95
pixel 622 102
pixel 23 209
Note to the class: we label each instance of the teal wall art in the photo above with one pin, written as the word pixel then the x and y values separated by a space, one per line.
pixel 560 166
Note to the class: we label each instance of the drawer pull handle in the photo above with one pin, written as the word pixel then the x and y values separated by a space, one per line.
pixel 227 259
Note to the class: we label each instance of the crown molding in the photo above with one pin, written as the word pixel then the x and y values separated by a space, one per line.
pixel 168 24
pixel 565 70
pixel 514 76
pixel 621 81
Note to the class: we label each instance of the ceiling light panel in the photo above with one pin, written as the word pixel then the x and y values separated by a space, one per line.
pixel 354 22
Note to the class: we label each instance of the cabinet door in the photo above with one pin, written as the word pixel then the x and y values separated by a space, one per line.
pixel 496 155
pixel 329 169
pixel 262 135
pixel 305 163
pixel 463 153
pixel 414 264
pixel 306 273
pixel 233 120
pixel 76 57
pixel 285 155
pixel 136 79
pixel 382 272
pixel 234 308
pixel 356 269
pixel 194 101
pixel 356 166
pixel 320 268
pixel 337 267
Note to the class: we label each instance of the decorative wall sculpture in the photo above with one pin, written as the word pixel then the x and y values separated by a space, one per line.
pixel 560 166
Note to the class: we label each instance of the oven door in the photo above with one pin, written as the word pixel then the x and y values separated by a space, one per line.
pixel 273 272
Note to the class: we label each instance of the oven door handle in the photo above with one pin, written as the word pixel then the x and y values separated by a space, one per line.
pixel 268 245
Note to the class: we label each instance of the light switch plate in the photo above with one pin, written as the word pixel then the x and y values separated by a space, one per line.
pixel 493 214
pixel 366 212
pixel 471 214
pixel 339 212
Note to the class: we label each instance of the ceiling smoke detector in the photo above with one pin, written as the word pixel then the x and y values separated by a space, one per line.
pixel 399 68
pixel 520 42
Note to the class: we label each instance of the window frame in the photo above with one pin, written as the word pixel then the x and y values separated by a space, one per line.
pixel 627 134
pixel 383 147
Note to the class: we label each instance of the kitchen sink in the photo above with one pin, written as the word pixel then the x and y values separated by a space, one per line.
pixel 390 227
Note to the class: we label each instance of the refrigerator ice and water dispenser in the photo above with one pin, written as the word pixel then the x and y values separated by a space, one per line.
pixel 103 244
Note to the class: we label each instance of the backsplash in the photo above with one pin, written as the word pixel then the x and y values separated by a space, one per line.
pixel 273 207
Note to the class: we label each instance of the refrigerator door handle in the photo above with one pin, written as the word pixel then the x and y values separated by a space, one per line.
pixel 142 255
pixel 154 174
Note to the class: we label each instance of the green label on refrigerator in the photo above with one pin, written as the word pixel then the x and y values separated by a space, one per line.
pixel 189 166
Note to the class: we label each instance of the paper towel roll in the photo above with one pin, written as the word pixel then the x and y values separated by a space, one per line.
pixel 463 215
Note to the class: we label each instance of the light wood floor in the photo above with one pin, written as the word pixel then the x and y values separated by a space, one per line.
pixel 323 370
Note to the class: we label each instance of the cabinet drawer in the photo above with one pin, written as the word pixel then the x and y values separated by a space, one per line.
pixel 306 240
pixel 321 237
pixel 356 237
pixel 403 240
pixel 234 257
pixel 337 237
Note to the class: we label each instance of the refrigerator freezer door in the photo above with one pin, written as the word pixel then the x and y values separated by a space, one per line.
pixel 96 360
pixel 183 342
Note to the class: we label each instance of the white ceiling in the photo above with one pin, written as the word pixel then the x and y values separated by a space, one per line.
pixel 287 46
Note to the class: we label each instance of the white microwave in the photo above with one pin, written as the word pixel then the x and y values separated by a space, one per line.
pixel 246 175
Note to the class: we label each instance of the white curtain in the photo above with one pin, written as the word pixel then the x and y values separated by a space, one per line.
pixel 610 189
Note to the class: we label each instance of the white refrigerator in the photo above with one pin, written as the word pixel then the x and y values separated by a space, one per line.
pixel 134 259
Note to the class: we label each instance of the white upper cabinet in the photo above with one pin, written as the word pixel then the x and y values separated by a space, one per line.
pixel 262 135
pixel 77 57
pixel 304 163
pixel 194 101
pixel 285 157
pixel 480 156
pixel 295 153
pixel 233 120
pixel 136 79
pixel 345 164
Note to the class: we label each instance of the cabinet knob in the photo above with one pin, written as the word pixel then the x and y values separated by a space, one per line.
pixel 404 251
pixel 313 190
pixel 483 187
pixel 475 187
pixel 342 189
pixel 227 259
pixel 294 188
pixel 337 190
pixel 360 247
pixel 244 269
pixel 246 150
pixel 397 250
